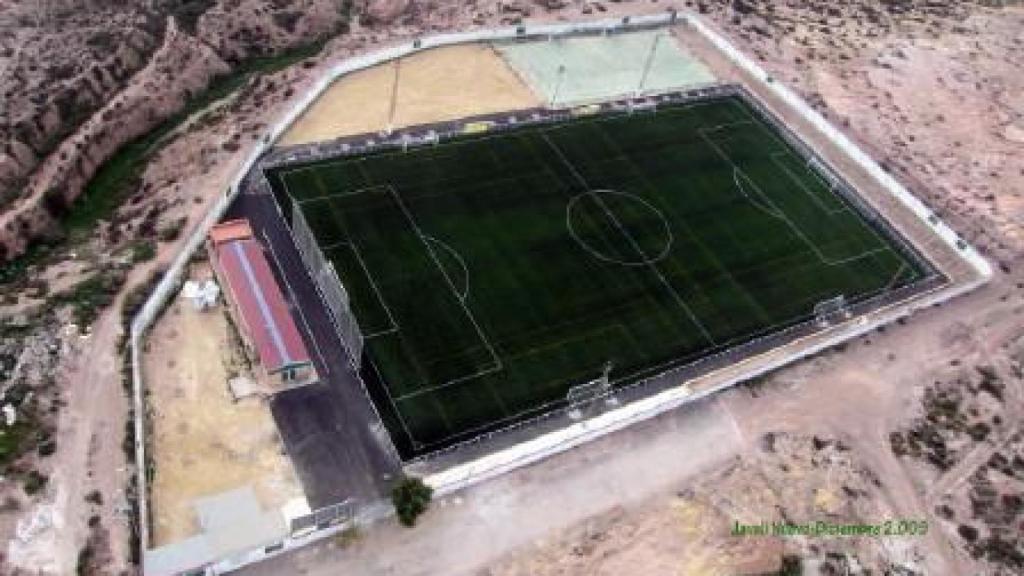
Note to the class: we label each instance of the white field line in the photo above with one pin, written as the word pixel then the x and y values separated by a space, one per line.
pixel 896 276
pixel 811 162
pixel 964 250
pixel 494 464
pixel 724 271
pixel 465 269
pixel 539 408
pixel 810 194
pixel 727 125
pixel 696 321
pixel 346 160
pixel 394 404
pixel 498 366
pixel 598 255
pixel 763 205
pixel 373 284
pixel 781 214
pixel 346 194
pixel 380 297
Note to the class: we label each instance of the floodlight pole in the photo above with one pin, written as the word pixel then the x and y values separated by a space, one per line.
pixel 647 66
pixel 394 95
pixel 558 85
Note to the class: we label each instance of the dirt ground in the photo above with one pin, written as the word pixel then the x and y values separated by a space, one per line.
pixel 933 94
pixel 434 86
pixel 203 442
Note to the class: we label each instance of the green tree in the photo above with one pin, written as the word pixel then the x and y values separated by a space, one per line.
pixel 411 497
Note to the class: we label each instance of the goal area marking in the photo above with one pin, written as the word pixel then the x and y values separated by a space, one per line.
pixel 779 213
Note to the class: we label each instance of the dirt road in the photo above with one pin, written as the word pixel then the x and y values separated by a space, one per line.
pixel 89 453
pixel 471 529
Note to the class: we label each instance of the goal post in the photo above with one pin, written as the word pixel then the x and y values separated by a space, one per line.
pixel 827 312
pixel 331 289
pixel 585 395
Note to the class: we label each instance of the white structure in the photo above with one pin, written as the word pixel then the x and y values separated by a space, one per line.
pixel 203 295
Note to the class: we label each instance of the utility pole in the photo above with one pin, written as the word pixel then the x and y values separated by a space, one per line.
pixel 558 85
pixel 647 66
pixel 394 95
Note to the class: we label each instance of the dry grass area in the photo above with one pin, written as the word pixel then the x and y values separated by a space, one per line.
pixel 203 442
pixel 434 86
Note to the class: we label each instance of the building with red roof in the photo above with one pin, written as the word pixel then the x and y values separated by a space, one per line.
pixel 258 306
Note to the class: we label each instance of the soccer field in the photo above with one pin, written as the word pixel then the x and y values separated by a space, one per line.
pixel 490 274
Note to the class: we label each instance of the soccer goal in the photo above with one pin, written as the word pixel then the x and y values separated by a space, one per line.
pixel 331 289
pixel 323 518
pixel 831 311
pixel 816 166
pixel 585 395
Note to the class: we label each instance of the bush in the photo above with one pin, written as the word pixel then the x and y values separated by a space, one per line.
pixel 47 448
pixel 143 251
pixel 170 231
pixel 55 203
pixel 85 558
pixel 91 296
pixel 967 532
pixel 791 566
pixel 35 482
pixel 411 498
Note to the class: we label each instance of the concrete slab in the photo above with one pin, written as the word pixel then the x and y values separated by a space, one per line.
pixel 603 67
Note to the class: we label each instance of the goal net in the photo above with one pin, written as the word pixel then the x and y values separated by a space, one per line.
pixel 323 518
pixel 331 289
pixel 830 311
pixel 585 395
pixel 824 171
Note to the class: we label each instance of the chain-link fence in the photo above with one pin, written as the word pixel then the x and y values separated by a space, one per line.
pixel 329 284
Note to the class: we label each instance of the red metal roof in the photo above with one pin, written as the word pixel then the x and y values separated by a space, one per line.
pixel 261 305
pixel 230 230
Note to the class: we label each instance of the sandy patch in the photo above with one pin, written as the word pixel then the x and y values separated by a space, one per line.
pixel 202 441
pixel 434 86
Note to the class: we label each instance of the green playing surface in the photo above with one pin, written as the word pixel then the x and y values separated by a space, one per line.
pixel 490 274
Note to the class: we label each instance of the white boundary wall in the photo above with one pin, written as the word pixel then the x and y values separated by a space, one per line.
pixel 492 465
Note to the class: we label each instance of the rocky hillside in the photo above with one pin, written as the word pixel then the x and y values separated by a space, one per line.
pixel 58 65
pixel 80 78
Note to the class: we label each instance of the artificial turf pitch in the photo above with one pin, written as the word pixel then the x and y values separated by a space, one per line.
pixel 490 274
